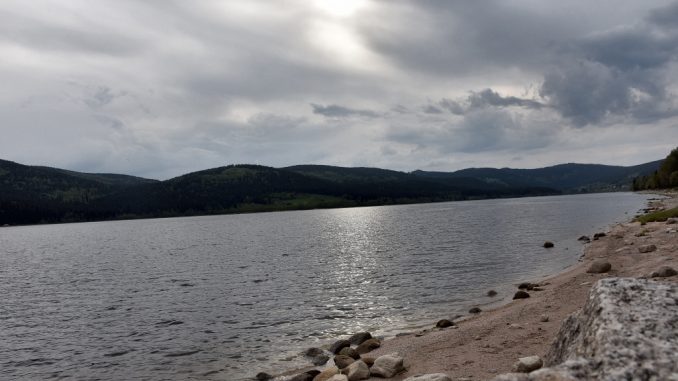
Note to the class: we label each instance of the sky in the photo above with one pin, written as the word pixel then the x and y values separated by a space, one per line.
pixel 159 88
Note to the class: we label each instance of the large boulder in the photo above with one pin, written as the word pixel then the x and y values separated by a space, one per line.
pixel 312 352
pixel 357 371
pixel 387 366
pixel 429 377
pixel 368 345
pixel 320 359
pixel 627 330
pixel 359 338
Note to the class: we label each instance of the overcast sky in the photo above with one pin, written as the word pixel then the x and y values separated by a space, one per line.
pixel 161 88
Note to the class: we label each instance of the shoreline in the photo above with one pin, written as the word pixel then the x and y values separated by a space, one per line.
pixel 487 344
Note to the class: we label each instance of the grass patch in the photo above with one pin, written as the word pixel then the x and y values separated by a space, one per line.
pixel 661 215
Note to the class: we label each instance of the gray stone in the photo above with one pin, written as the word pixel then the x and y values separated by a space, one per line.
pixel 544 318
pixel 357 371
pixel 429 377
pixel 338 377
pixel 320 359
pixel 528 364
pixel 444 323
pixel 627 330
pixel 326 374
pixel 647 248
pixel 584 238
pixel 664 271
pixel 490 293
pixel 360 338
pixel 387 366
pixel 548 244
pixel 312 352
pixel 670 221
pixel 598 267
pixel 475 310
pixel 521 295
pixel 339 345
pixel 598 235
pixel 350 352
pixel 368 345
pixel 263 376
pixel 302 377
pixel 342 361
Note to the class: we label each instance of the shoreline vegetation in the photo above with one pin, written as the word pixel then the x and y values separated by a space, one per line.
pixel 485 344
pixel 39 195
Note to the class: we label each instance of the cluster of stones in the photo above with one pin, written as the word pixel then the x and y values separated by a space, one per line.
pixel 350 361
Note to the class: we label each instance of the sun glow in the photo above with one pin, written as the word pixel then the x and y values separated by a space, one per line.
pixel 340 8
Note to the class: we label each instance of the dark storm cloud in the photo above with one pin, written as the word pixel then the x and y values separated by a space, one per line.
pixel 336 111
pixel 488 97
pixel 622 73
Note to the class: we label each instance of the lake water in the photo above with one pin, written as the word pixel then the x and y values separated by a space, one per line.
pixel 224 297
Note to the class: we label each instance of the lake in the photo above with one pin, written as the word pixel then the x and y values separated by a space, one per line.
pixel 225 297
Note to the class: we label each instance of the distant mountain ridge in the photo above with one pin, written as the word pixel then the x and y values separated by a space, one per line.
pixel 34 194
pixel 568 178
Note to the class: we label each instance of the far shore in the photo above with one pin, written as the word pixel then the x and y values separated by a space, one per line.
pixel 481 346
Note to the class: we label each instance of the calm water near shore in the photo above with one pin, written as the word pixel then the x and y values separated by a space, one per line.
pixel 224 297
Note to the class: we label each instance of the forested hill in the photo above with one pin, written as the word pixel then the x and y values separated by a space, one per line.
pixel 30 194
pixel 567 178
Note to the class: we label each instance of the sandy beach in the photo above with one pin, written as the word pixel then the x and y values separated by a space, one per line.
pixel 489 343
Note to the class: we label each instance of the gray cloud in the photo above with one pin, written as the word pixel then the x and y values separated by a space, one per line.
pixel 161 88
pixel 336 111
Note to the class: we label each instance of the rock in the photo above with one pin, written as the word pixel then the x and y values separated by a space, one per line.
pixel 537 289
pixel 598 235
pixel 490 293
pixel 357 371
pixel 544 318
pixel 320 360
pixel 368 360
pixel 313 372
pixel 526 286
pixel 670 221
pixel 302 377
pixel 647 248
pixel 339 345
pixel 548 244
pixel 338 377
pixel 359 338
pixel 429 377
pixel 350 352
pixel 584 238
pixel 326 374
pixel 474 310
pixel 313 352
pixel 387 366
pixel 263 376
pixel 626 331
pixel 664 271
pixel 444 323
pixel 368 345
pixel 515 326
pixel 598 267
pixel 528 364
pixel 521 295
pixel 342 361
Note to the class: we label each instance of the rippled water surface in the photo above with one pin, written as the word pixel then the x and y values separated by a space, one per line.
pixel 224 297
